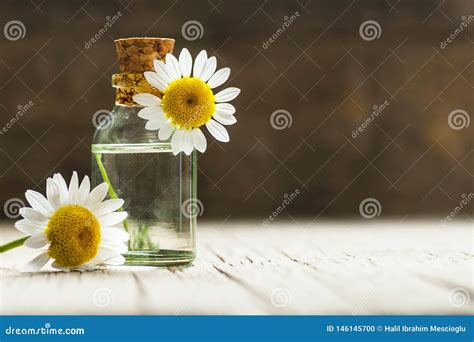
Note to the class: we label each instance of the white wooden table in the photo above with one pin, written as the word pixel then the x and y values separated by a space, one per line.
pixel 244 268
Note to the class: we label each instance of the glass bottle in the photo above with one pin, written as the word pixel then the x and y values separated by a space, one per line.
pixel 159 189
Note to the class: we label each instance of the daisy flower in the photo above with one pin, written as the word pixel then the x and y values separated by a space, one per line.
pixel 73 226
pixel 188 101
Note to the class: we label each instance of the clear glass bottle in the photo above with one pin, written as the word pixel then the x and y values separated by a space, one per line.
pixel 158 188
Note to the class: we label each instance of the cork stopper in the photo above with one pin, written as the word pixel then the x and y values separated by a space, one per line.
pixel 136 55
pixel 128 85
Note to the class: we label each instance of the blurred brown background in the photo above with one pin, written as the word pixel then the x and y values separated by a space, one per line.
pixel 413 158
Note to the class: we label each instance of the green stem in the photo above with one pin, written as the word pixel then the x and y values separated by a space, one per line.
pixel 13 244
pixel 106 179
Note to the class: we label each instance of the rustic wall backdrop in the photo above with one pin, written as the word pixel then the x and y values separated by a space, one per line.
pixel 344 103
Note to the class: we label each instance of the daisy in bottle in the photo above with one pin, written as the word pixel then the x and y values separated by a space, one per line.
pixel 189 101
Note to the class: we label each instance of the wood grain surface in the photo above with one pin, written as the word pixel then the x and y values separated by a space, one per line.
pixel 244 268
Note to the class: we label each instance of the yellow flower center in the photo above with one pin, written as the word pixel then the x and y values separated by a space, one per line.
pixel 188 102
pixel 74 235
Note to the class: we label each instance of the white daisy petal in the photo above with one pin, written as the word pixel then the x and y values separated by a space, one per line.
pixel 29 228
pixel 103 254
pixel 199 140
pixel 39 202
pixel 188 144
pixel 228 94
pixel 199 63
pixel 94 264
pixel 33 215
pixel 112 218
pixel 57 266
pixel 219 78
pixel 115 261
pixel 177 142
pixel 153 125
pixel 162 119
pixel 112 249
pixel 114 234
pixel 107 206
pixel 85 267
pixel 209 69
pixel 97 195
pixel 162 71
pixel 61 183
pixel 155 80
pixel 150 113
pixel 172 65
pixel 36 241
pixel 84 190
pixel 185 62
pixel 37 263
pixel 218 131
pixel 156 123
pixel 165 131
pixel 107 254
pixel 225 119
pixel 145 99
pixel 73 188
pixel 53 194
pixel 225 108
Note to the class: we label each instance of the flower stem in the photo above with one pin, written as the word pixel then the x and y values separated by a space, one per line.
pixel 13 244
pixel 106 179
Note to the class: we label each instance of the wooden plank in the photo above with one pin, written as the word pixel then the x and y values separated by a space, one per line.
pixel 244 268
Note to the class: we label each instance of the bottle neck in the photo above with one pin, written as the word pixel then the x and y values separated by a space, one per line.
pixel 128 85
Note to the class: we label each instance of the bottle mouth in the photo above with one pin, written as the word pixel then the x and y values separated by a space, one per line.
pixel 143 39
